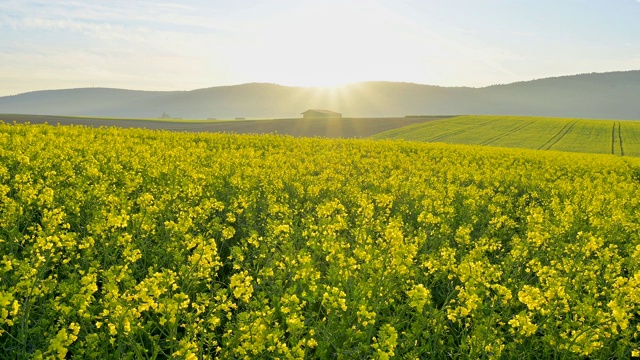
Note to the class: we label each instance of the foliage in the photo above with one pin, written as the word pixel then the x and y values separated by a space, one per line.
pixel 144 244
pixel 541 133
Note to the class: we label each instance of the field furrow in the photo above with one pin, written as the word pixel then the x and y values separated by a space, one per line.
pixel 507 133
pixel 446 135
pixel 613 138
pixel 631 139
pixel 558 136
pixel 620 139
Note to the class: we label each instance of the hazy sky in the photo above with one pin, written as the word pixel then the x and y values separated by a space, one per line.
pixel 183 45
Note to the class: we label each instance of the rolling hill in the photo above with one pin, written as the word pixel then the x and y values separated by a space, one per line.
pixel 599 95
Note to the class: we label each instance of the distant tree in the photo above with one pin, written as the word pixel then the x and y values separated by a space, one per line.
pixel 165 116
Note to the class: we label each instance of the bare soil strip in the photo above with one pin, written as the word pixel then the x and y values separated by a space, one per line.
pixel 330 128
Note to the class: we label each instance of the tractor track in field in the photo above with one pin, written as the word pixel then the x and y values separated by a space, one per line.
pixel 444 135
pixel 554 136
pixel 618 125
pixel 620 138
pixel 613 138
pixel 457 131
pixel 507 133
pixel 559 135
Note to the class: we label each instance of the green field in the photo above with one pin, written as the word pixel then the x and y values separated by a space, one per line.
pixel 562 134
pixel 130 243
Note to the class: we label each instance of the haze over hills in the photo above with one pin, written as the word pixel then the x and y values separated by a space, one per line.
pixel 612 95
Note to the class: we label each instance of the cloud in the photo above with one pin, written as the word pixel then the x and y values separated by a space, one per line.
pixel 176 6
pixel 138 44
pixel 146 26
pixel 130 14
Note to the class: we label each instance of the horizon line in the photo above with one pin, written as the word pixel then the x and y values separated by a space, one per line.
pixel 319 87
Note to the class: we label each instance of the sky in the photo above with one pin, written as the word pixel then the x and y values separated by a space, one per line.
pixel 191 44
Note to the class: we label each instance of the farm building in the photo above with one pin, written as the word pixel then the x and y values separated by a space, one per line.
pixel 315 114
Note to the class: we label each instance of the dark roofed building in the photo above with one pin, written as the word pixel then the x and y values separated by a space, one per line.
pixel 323 114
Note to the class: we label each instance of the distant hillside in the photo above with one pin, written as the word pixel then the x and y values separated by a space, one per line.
pixel 606 95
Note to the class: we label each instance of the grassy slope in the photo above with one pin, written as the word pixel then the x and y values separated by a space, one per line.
pixel 563 134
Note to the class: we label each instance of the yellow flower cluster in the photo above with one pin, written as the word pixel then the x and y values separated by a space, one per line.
pixel 334 299
pixel 418 297
pixel 240 284
pixel 385 343
pixel 125 243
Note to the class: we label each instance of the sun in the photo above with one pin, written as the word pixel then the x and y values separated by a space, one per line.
pixel 330 44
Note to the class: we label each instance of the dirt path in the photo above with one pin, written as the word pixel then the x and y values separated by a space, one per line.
pixel 330 128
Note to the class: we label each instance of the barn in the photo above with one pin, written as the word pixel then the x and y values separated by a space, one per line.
pixel 320 114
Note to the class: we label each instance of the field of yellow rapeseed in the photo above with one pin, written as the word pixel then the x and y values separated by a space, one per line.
pixel 148 244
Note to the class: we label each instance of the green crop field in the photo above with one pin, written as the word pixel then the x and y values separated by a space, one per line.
pixel 562 134
pixel 142 244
